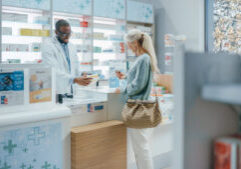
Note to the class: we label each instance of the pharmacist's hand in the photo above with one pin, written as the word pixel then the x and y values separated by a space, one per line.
pixel 117 90
pixel 83 81
pixel 120 75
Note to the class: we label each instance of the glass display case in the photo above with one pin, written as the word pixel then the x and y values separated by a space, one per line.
pixel 108 45
pixel 23 30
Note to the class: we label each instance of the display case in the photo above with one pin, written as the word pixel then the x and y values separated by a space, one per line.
pixel 25 26
pixel 202 83
pixel 108 45
pixel 98 28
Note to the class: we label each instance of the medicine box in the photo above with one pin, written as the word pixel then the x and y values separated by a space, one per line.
pixel 6 31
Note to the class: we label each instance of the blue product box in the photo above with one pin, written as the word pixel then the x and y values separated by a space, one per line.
pixel 114 82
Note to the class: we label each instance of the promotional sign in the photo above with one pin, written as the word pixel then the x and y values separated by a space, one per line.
pixel 40 85
pixel 11 87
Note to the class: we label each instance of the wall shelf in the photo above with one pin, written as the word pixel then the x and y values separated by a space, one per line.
pixel 226 93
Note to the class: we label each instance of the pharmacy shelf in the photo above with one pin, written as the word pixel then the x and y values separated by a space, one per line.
pixel 99 32
pixel 226 93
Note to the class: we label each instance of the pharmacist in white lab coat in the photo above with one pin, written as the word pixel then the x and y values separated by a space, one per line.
pixel 59 53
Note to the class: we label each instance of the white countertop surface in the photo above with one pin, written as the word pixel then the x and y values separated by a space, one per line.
pixel 100 89
pixel 75 103
pixel 36 114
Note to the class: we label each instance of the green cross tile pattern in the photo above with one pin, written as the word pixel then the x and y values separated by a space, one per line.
pixel 26 148
pixel 23 166
pixel 55 167
pixel 10 147
pixel 30 167
pixel 46 165
pixel 5 166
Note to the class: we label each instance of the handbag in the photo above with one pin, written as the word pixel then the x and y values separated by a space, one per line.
pixel 141 114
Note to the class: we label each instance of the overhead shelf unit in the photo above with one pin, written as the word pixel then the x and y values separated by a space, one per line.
pixel 78 14
pixel 108 36
pixel 98 29
pixel 109 48
pixel 25 25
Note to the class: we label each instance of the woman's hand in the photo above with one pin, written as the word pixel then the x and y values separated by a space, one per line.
pixel 120 75
pixel 117 90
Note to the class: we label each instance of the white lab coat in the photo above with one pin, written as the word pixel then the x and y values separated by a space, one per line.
pixel 53 55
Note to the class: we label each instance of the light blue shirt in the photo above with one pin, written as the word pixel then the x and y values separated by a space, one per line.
pixel 138 80
pixel 66 51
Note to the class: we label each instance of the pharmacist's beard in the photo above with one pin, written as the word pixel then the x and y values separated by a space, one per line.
pixel 60 40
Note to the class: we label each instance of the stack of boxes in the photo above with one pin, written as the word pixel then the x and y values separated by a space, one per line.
pixel 227 153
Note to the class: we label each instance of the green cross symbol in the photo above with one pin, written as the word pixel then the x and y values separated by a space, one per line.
pixel 30 167
pixel 55 167
pixel 6 166
pixel 25 150
pixel 23 166
pixel 10 147
pixel 36 136
pixel 46 165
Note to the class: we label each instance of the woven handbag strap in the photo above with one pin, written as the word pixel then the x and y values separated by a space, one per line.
pixel 156 95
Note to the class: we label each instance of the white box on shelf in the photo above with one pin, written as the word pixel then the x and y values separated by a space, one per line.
pixel 7 31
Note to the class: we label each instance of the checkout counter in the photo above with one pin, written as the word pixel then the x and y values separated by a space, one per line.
pixel 98 104
pixel 37 133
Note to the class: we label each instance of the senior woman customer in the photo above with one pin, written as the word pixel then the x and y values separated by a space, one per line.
pixel 138 87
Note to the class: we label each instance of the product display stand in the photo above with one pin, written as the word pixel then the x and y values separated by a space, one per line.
pixel 205 86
